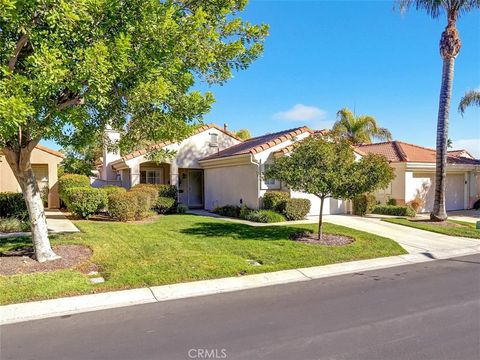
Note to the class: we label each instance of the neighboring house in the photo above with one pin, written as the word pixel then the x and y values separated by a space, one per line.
pixel 213 168
pixel 45 163
pixel 415 173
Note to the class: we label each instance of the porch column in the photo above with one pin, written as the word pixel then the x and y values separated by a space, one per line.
pixel 174 173
pixel 135 174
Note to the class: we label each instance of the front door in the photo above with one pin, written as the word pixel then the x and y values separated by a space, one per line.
pixel 195 188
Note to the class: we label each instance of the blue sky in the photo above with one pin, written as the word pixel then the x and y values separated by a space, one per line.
pixel 325 55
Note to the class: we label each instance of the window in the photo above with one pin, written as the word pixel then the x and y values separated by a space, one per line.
pixel 268 183
pixel 151 177
pixel 214 140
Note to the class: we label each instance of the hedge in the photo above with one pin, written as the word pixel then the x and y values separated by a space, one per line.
pixel 130 205
pixel 363 204
pixel 165 205
pixel 13 205
pixel 264 216
pixel 272 200
pixel 228 210
pixel 150 192
pixel 296 209
pixel 393 210
pixel 68 181
pixel 85 201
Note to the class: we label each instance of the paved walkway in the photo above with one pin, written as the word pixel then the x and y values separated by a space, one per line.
pixel 57 223
pixel 413 240
pixel 465 215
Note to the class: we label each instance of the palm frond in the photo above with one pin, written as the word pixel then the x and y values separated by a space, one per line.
pixel 471 98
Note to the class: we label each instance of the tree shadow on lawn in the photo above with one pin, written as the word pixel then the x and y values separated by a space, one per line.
pixel 243 232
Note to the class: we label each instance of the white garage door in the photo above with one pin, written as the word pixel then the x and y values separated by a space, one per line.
pixel 454 195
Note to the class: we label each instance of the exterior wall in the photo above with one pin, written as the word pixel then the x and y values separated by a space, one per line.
pixel 474 188
pixel 330 206
pixel 397 188
pixel 231 185
pixel 110 138
pixel 8 183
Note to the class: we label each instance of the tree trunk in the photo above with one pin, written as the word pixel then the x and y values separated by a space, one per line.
pixel 19 161
pixel 320 219
pixel 439 211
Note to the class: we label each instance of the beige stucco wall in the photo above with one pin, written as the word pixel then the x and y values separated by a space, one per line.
pixel 397 189
pixel 8 183
pixel 231 185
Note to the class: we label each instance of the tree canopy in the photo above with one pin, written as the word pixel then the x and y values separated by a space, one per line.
pixel 358 129
pixel 330 169
pixel 243 134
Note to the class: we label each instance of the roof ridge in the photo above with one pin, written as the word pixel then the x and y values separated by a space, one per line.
pixel 278 132
pixel 398 148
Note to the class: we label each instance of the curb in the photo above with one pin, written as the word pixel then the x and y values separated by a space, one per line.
pixel 15 313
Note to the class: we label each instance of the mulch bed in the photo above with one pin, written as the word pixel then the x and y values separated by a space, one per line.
pixel 20 261
pixel 438 223
pixel 327 239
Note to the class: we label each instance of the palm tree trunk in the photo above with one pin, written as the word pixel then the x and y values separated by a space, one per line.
pixel 439 211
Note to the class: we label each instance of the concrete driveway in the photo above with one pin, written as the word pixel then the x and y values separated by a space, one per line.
pixel 413 240
pixel 465 215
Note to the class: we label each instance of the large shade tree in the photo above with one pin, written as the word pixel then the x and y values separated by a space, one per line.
pixel 357 130
pixel 450 45
pixel 329 169
pixel 70 68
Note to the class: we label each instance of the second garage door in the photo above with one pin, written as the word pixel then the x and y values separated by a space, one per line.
pixel 455 193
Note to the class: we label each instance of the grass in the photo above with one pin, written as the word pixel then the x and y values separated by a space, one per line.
pixel 466 229
pixel 179 248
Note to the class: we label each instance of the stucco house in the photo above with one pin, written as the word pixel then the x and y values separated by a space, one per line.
pixel 45 163
pixel 213 167
pixel 415 173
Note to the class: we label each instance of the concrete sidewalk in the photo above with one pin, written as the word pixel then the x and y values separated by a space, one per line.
pixel 413 240
pixel 57 223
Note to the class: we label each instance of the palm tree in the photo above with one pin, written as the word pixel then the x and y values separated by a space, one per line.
pixel 470 98
pixel 358 130
pixel 449 48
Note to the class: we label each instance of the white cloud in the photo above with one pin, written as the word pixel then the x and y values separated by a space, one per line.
pixel 471 145
pixel 300 112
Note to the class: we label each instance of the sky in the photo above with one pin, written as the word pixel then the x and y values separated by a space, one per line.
pixel 322 56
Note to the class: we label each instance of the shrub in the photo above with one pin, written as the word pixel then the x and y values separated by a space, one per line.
pixel 163 190
pixel 144 204
pixel 244 212
pixel 228 210
pixel 13 205
pixel 123 206
pixel 363 204
pixel 272 200
pixel 150 192
pixel 109 190
pixel 264 216
pixel 182 208
pixel 416 204
pixel 68 181
pixel 476 205
pixel 85 201
pixel 393 210
pixel 392 201
pixel 165 205
pixel 11 224
pixel 296 209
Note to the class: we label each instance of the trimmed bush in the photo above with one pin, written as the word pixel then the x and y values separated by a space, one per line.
pixel 392 201
pixel 11 224
pixel 144 204
pixel 151 192
pixel 123 206
pixel 272 200
pixel 182 208
pixel 228 210
pixel 109 190
pixel 264 216
pixel 165 205
pixel 393 210
pixel 85 201
pixel 13 205
pixel 363 204
pixel 68 181
pixel 296 209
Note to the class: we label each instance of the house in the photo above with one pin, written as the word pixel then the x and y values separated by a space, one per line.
pixel 45 163
pixel 213 168
pixel 415 173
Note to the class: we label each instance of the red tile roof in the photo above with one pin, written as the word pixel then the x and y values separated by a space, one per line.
pixel 166 143
pixel 260 143
pixel 398 151
pixel 50 151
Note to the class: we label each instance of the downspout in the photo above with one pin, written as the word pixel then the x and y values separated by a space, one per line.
pixel 257 164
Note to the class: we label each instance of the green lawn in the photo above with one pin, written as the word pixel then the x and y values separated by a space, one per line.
pixel 466 229
pixel 178 248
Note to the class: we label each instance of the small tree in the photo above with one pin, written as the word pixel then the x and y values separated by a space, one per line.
pixel 329 169
pixel 243 134
pixel 70 68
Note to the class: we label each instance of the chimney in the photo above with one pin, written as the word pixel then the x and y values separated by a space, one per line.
pixel 225 127
pixel 111 152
